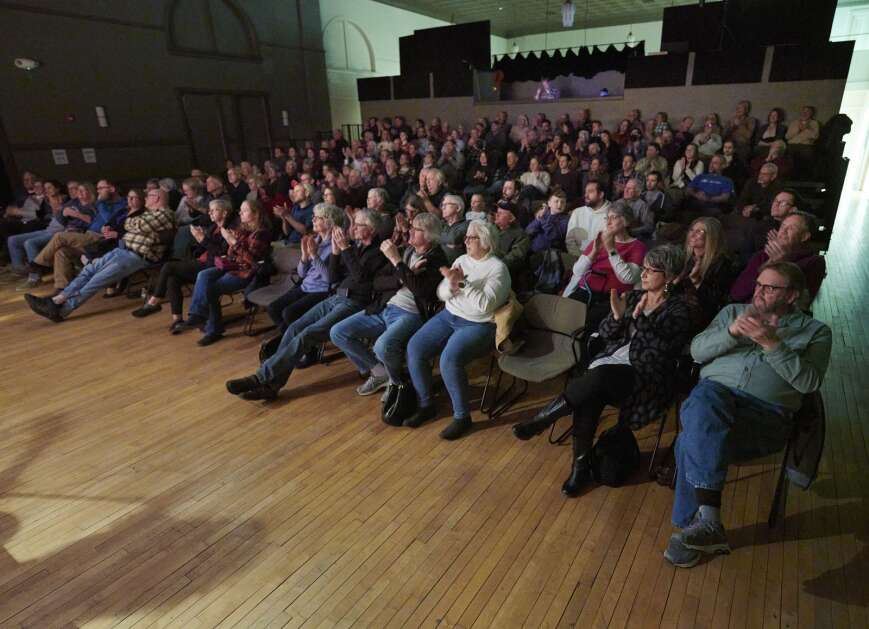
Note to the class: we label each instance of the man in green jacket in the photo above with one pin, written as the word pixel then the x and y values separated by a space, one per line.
pixel 759 360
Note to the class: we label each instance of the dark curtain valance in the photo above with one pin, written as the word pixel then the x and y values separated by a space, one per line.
pixel 590 60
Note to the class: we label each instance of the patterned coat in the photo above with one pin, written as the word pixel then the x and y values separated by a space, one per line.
pixel 658 342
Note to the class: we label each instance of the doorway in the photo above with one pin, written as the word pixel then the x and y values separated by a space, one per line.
pixel 225 125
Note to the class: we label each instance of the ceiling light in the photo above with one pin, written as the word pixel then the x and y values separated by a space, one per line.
pixel 568 12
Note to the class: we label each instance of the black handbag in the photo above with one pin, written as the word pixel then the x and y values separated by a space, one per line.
pixel 616 456
pixel 399 404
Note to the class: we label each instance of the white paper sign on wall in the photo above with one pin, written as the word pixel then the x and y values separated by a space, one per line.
pixel 89 156
pixel 60 157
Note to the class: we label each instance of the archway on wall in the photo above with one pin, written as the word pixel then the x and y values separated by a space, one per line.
pixel 349 56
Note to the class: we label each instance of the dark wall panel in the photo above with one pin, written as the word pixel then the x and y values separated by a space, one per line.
pixel 375 88
pixel 737 66
pixel 799 63
pixel 656 71
pixel 413 86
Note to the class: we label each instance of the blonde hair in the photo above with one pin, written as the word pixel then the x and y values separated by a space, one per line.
pixel 715 244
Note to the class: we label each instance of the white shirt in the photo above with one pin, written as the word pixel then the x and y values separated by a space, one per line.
pixel 486 288
pixel 584 225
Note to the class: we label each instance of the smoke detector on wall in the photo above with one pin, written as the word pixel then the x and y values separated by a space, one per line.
pixel 23 63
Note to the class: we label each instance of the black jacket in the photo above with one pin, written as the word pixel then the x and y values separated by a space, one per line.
pixel 423 283
pixel 355 269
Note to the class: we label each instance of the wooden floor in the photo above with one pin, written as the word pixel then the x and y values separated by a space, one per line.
pixel 134 491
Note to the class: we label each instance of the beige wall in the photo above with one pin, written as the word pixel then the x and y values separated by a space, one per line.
pixel 676 101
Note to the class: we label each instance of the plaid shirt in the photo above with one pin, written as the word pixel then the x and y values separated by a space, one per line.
pixel 143 233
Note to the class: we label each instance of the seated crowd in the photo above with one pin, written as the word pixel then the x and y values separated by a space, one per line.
pixel 407 244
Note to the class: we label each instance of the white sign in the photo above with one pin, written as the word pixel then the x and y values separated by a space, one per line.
pixel 89 156
pixel 60 157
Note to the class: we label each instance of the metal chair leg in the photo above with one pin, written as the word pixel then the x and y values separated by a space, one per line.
pixel 250 320
pixel 486 387
pixel 779 499
pixel 505 401
pixel 657 442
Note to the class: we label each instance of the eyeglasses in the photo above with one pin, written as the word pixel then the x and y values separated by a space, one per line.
pixel 648 269
pixel 698 230
pixel 766 289
pixel 467 238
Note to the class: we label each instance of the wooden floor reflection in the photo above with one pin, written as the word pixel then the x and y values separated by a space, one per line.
pixel 135 492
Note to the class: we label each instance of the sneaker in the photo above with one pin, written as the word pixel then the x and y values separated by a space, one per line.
pixel 705 536
pixel 45 307
pixel 242 385
pixel 261 392
pixel 28 284
pixel 372 385
pixel 680 555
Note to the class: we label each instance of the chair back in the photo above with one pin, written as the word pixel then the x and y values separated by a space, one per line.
pixel 807 441
pixel 285 258
pixel 556 314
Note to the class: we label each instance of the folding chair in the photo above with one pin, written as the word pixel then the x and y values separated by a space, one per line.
pixel 553 329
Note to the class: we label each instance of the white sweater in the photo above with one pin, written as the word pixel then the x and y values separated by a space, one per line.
pixel 486 288
pixel 583 226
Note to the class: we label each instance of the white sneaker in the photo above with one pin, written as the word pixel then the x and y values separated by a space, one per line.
pixel 372 385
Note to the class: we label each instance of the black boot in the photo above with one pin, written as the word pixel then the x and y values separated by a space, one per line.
pixel 580 471
pixel 548 415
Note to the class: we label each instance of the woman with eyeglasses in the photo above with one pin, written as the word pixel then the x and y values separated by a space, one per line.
pixel 472 289
pixel 611 261
pixel 643 336
pixel 709 268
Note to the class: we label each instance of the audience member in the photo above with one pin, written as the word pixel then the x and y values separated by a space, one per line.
pixel 644 334
pixel 789 244
pixel 405 296
pixel 588 221
pixel 473 288
pixel 759 360
pixel 709 269
pixel 353 266
pixel 611 261
pixel 711 193
pixel 142 243
pixel 549 227
pixel 742 130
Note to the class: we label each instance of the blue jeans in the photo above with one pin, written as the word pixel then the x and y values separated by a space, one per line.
pixel 392 328
pixel 210 284
pixel 304 334
pixel 98 274
pixel 29 244
pixel 721 425
pixel 458 341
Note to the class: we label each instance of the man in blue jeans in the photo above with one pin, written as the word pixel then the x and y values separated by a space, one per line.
pixel 143 242
pixel 759 360
pixel 354 265
pixel 405 292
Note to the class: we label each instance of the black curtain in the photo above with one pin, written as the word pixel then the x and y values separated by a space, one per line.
pixel 591 60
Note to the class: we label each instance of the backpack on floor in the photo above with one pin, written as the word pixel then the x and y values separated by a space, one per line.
pixel 616 456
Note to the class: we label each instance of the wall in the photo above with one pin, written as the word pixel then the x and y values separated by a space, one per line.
pixel 676 101
pixel 116 54
pixel 852 22
pixel 361 40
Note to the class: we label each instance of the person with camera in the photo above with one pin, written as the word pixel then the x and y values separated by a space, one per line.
pixel 642 337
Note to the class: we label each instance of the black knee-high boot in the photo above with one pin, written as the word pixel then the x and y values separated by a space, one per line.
pixel 548 415
pixel 581 468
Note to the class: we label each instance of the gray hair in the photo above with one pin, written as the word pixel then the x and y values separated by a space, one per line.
pixel 622 209
pixel 438 173
pixel 670 259
pixel 167 183
pixel 454 198
pixel 771 168
pixel 220 204
pixel 430 224
pixel 486 232
pixel 370 216
pixel 308 188
pixel 380 192
pixel 331 213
